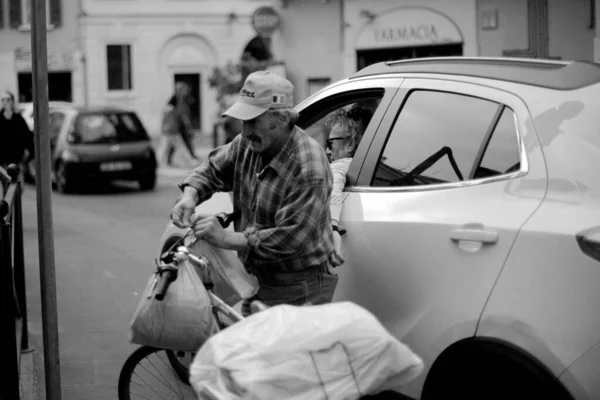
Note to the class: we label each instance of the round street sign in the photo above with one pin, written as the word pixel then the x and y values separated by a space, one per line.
pixel 265 21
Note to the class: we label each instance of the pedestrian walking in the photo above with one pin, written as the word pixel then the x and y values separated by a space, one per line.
pixel 186 130
pixel 176 126
pixel 281 182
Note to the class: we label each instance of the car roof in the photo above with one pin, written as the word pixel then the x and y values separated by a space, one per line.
pixel 551 74
pixel 78 108
pixel 101 110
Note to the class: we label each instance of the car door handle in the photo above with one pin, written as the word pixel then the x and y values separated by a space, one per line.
pixel 474 235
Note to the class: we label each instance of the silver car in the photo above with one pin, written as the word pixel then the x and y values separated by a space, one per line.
pixel 472 213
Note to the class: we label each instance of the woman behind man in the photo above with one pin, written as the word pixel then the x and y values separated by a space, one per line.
pixel 346 131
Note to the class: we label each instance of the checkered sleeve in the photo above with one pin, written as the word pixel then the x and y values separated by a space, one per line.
pixel 216 173
pixel 295 223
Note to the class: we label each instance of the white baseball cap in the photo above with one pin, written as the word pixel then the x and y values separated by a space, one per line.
pixel 263 90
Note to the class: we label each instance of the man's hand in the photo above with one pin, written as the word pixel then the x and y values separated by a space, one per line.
pixel 210 229
pixel 337 258
pixel 182 212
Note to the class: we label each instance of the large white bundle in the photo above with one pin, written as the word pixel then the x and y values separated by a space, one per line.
pixel 334 351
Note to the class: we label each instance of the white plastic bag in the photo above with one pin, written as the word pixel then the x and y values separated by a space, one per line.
pixel 335 351
pixel 227 270
pixel 183 320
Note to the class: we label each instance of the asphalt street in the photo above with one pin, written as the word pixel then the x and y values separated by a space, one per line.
pixel 105 241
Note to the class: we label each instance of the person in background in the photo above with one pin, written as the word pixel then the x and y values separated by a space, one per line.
pixel 186 130
pixel 281 182
pixel 170 133
pixel 16 140
pixel 346 131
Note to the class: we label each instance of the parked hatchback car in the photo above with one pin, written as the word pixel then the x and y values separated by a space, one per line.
pixel 99 144
pixel 26 110
pixel 472 217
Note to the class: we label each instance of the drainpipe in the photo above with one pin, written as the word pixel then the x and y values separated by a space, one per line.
pixel 80 49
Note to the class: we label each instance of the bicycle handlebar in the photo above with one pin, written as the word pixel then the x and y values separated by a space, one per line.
pixel 166 277
pixel 226 219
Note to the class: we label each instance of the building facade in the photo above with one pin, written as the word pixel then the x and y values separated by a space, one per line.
pixel 322 41
pixel 134 54
pixel 127 54
pixel 65 75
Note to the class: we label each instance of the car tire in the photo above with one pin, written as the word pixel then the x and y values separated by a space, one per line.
pixel 148 182
pixel 63 182
pixel 490 372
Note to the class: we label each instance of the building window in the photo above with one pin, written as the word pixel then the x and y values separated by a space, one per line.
pixel 26 13
pixel 316 84
pixel 118 57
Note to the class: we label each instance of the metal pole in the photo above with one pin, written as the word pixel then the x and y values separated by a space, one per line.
pixel 44 200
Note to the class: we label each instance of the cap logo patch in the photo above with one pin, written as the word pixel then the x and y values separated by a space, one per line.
pixel 278 99
pixel 247 93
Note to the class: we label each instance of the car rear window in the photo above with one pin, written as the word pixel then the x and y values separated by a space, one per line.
pixel 116 127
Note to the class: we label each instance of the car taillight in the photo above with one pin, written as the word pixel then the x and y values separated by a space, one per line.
pixel 589 242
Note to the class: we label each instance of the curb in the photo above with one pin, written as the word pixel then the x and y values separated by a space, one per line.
pixel 27 384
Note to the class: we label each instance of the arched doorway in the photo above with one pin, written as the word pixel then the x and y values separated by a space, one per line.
pixel 407 32
pixel 190 59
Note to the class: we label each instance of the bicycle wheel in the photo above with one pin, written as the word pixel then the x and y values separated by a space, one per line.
pixel 147 374
pixel 180 361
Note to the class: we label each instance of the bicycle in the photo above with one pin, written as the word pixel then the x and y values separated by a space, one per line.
pixel 154 373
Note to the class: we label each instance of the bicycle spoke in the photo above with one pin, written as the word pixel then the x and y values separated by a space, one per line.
pixel 151 373
pixel 164 381
pixel 147 385
pixel 169 367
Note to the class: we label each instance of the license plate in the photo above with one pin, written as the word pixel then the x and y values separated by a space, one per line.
pixel 115 166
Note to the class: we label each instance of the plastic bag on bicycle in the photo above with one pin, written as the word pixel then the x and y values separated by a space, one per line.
pixel 232 282
pixel 336 351
pixel 183 320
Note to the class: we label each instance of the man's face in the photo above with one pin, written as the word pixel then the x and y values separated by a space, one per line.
pixel 338 143
pixel 261 132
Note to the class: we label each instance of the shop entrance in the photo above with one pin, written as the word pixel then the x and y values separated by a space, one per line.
pixel 367 57
pixel 193 82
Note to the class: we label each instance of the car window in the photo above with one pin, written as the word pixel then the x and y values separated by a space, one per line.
pixel 435 139
pixel 56 122
pixel 110 128
pixel 320 130
pixel 502 154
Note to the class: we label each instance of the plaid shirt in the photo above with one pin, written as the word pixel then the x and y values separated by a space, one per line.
pixel 284 205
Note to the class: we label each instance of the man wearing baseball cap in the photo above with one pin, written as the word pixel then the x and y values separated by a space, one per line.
pixel 281 182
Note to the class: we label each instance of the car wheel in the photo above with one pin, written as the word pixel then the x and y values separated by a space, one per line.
pixel 64 183
pixel 490 372
pixel 148 182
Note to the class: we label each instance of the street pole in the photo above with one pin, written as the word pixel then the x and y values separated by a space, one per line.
pixel 44 200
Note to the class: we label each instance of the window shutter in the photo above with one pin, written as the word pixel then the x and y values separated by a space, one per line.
pixel 14 7
pixel 55 13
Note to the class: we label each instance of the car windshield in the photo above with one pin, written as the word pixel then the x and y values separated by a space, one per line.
pixel 110 128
